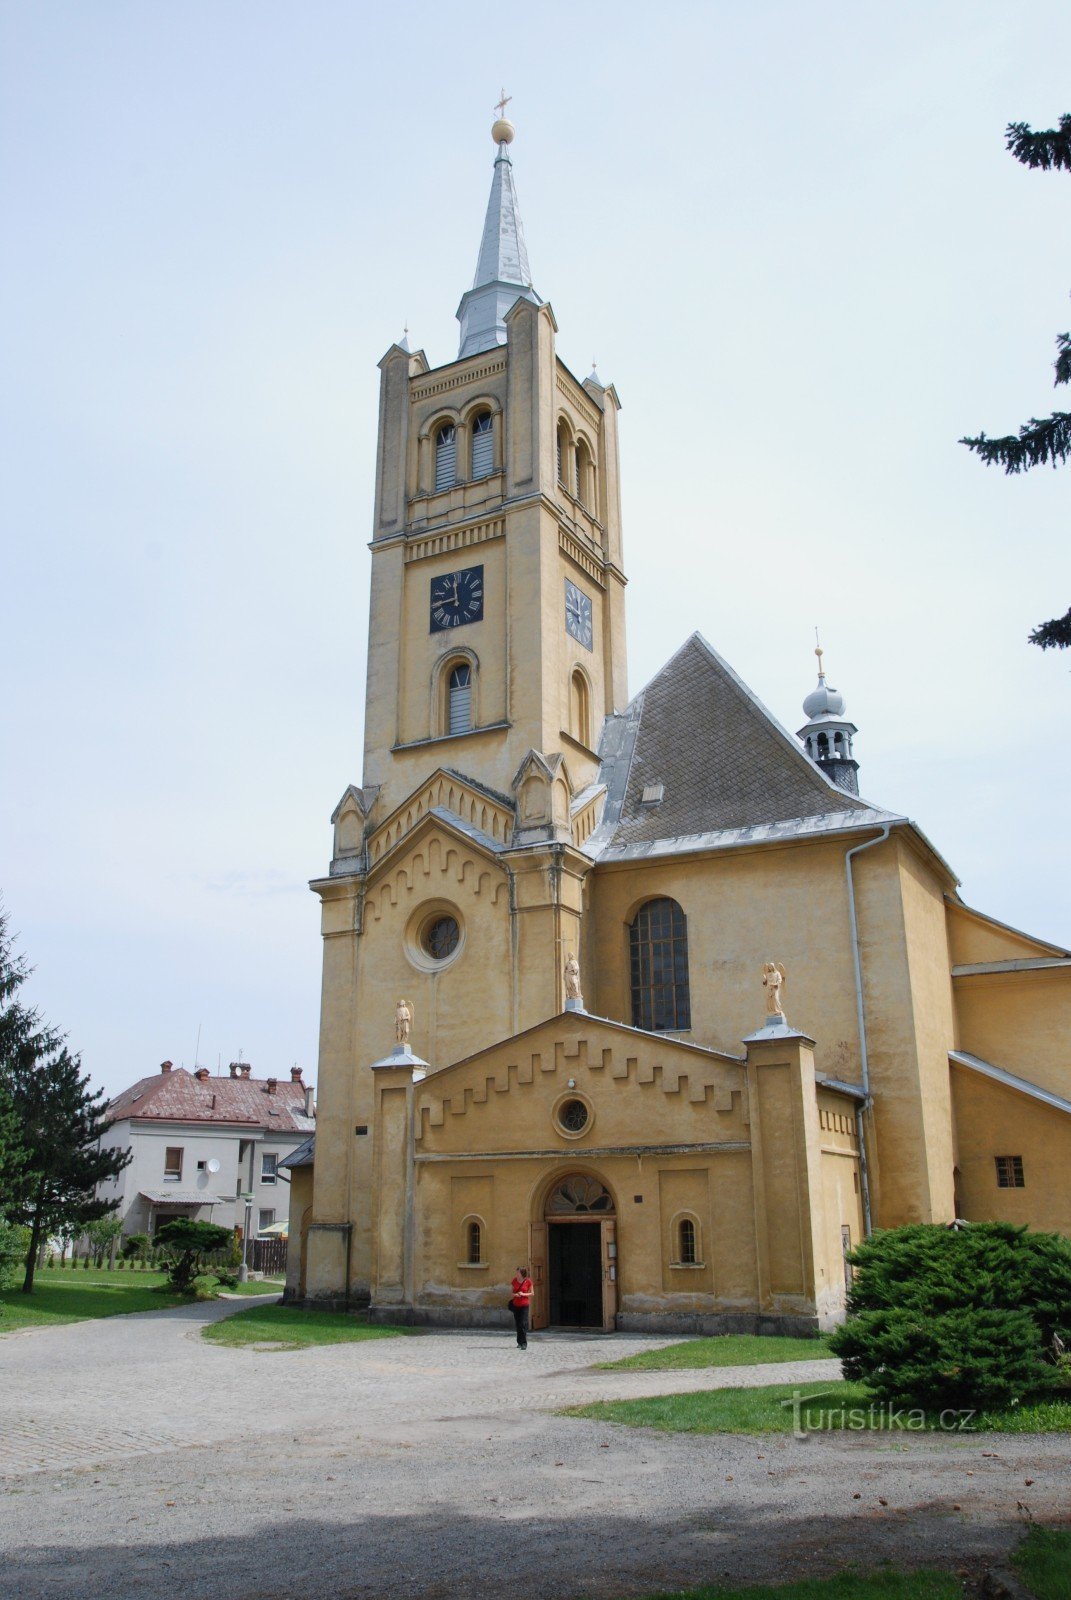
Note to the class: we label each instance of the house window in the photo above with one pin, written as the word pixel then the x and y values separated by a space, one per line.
pixel 658 957
pixel 268 1164
pixel 173 1164
pixel 686 1242
pixel 266 1217
pixel 445 456
pixel 460 698
pixel 483 445
pixel 1010 1172
pixel 475 1244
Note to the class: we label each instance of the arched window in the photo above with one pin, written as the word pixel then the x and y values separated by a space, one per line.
pixel 563 453
pixel 584 487
pixel 474 1244
pixel 579 708
pixel 445 456
pixel 658 963
pixel 686 1242
pixel 483 445
pixel 459 692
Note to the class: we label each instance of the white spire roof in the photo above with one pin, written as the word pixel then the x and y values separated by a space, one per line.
pixel 503 275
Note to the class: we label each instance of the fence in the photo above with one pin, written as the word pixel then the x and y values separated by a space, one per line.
pixel 269 1257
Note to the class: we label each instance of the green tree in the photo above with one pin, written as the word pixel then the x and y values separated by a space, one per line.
pixel 59 1121
pixel 100 1235
pixel 186 1242
pixel 1042 439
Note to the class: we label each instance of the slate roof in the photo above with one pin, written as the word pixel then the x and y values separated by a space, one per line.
pixel 723 759
pixel 177 1096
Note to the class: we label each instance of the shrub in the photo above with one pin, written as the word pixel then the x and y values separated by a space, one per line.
pixel 226 1279
pixel 135 1244
pixel 203 1287
pixel 185 1242
pixel 14 1243
pixel 941 1317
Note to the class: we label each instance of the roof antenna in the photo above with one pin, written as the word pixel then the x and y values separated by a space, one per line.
pixel 197 1049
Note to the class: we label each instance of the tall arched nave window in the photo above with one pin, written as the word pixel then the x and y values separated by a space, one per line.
pixel 658 967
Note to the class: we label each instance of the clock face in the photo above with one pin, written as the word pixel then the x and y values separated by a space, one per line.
pixel 456 598
pixel 577 614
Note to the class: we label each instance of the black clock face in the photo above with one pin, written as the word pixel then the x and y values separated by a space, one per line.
pixel 577 614
pixel 456 598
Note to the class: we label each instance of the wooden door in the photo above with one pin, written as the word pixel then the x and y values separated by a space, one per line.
pixel 609 1274
pixel 537 1266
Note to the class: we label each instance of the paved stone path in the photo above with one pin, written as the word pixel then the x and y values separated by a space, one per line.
pixel 138 1460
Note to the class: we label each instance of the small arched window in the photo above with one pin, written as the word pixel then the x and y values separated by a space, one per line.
pixel 459 696
pixel 445 456
pixel 658 967
pixel 584 490
pixel 563 452
pixel 579 708
pixel 474 1244
pixel 686 1242
pixel 483 445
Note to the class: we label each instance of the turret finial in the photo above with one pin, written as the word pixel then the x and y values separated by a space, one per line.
pixel 819 652
pixel 503 130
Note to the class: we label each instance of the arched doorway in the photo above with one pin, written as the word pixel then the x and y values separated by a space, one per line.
pixel 574 1255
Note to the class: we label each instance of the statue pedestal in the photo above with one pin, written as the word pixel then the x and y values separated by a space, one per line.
pixel 575 1003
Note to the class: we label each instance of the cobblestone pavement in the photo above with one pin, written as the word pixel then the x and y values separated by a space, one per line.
pixel 138 1460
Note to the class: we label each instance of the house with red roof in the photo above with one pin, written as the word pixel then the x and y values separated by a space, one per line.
pixel 207 1147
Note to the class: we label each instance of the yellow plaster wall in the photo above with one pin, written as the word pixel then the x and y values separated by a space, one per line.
pixel 994 1121
pixel 975 937
pixel 1020 1021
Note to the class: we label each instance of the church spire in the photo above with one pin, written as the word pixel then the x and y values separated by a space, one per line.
pixel 502 272
pixel 827 734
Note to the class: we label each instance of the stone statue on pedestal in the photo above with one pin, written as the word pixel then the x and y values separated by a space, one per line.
pixel 403 1022
pixel 773 980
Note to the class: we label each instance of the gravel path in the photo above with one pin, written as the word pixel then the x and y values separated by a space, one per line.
pixel 137 1460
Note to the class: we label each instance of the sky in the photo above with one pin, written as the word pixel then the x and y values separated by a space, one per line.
pixel 789 234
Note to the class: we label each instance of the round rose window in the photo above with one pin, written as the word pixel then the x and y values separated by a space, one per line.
pixel 573 1116
pixel 440 938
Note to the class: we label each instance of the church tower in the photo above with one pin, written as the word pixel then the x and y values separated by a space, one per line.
pixel 497 601
pixel 827 734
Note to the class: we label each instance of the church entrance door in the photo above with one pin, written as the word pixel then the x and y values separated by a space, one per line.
pixel 574 1257
pixel 575 1251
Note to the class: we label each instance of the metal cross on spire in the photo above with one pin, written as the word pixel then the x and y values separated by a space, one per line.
pixel 503 103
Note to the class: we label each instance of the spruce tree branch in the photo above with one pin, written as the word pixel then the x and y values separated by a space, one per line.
pixel 1063 358
pixel 1048 150
pixel 1054 635
pixel 1039 441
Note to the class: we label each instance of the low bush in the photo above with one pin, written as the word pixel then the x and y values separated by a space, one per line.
pixel 957 1317
pixel 203 1287
pixel 185 1243
pixel 135 1244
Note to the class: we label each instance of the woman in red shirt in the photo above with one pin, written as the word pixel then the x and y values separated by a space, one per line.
pixel 522 1299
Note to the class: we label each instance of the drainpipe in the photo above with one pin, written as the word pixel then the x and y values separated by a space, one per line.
pixel 860 1017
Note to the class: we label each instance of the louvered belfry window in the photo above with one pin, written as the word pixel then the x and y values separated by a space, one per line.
pixel 483 445
pixel 461 698
pixel 445 456
pixel 658 959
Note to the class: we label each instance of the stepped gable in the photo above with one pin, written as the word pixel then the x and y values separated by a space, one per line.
pixel 722 759
pixel 178 1096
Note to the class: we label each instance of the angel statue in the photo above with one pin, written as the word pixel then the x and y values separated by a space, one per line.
pixel 572 978
pixel 403 1021
pixel 773 979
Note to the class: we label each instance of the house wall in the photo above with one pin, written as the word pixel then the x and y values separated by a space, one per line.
pixel 1020 1021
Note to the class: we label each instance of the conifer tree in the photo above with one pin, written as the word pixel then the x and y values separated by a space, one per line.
pixel 1042 439
pixel 50 1177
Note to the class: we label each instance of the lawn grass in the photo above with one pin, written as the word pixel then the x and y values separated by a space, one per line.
pixel 256 1286
pixel 881 1585
pixel 77 1296
pixel 727 1350
pixel 1043 1561
pixel 833 1406
pixel 292 1328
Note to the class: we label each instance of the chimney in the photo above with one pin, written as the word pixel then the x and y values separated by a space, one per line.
pixel 165 1066
pixel 235 1068
pixel 244 1069
pixel 310 1108
pixel 202 1074
pixel 272 1085
pixel 295 1074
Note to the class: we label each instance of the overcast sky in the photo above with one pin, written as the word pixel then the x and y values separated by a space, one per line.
pixel 789 234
